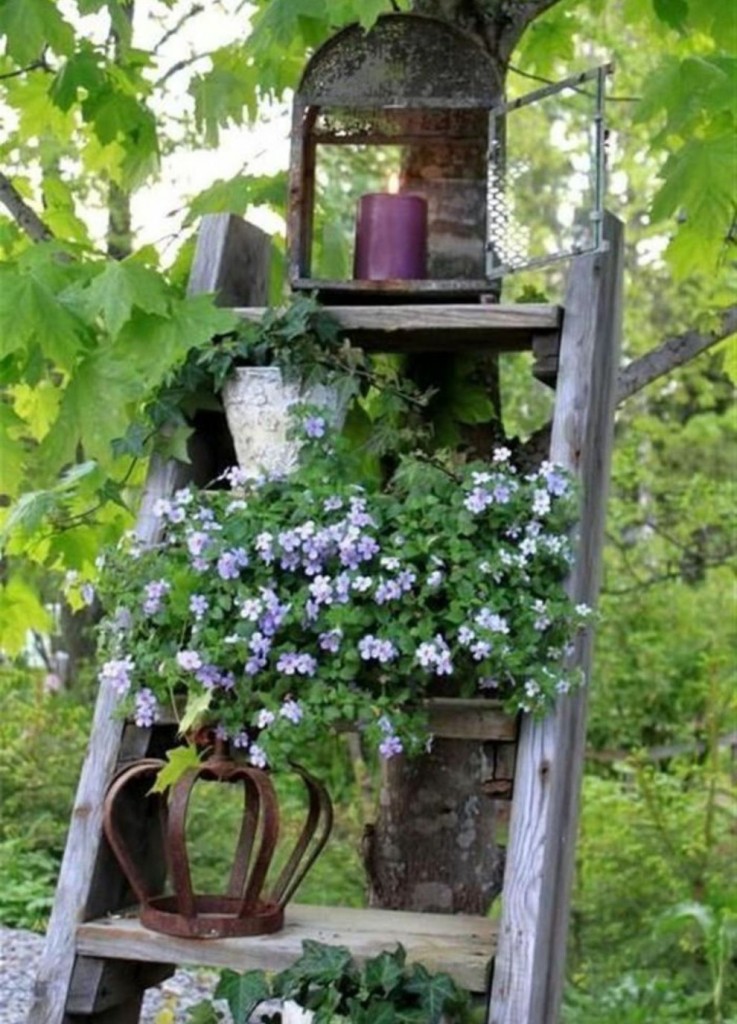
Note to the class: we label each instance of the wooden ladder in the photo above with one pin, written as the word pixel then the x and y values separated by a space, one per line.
pixel 97 962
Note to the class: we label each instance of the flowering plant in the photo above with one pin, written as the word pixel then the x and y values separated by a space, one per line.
pixel 285 606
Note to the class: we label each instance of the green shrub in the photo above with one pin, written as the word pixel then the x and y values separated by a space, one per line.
pixel 28 885
pixel 43 739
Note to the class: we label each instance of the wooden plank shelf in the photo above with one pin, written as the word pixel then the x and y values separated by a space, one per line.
pixel 444 328
pixel 462 945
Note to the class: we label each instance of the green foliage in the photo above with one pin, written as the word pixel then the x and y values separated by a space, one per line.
pixel 327 981
pixel 654 859
pixel 28 878
pixel 43 737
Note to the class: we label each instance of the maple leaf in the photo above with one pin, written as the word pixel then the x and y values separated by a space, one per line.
pixel 32 315
pixel 123 286
pixel 32 25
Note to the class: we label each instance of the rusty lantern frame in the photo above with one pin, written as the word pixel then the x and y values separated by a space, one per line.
pixel 419 82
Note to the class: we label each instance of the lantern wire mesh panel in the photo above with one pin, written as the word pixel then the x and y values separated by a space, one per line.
pixel 544 209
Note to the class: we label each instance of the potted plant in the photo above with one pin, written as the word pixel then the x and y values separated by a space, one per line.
pixel 277 607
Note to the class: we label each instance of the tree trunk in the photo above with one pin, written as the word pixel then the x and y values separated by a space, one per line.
pixel 433 846
pixel 435 843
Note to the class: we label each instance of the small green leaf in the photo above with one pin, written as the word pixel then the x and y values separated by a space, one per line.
pixel 673 12
pixel 179 761
pixel 20 610
pixel 243 992
pixel 196 706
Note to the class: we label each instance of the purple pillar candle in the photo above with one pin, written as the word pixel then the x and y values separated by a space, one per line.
pixel 391 237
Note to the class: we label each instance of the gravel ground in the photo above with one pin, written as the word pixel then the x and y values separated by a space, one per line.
pixel 19 953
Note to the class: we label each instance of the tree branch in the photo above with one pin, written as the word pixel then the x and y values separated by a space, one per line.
pixel 26 218
pixel 30 67
pixel 673 352
pixel 194 10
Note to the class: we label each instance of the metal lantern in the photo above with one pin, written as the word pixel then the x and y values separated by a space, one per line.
pixel 251 904
pixel 422 89
pixel 420 97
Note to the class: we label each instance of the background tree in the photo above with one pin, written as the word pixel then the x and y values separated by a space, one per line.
pixel 85 340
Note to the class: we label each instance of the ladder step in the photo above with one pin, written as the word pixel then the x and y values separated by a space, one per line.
pixel 442 328
pixel 459 944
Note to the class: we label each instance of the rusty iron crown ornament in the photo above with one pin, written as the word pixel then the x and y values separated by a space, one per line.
pixel 246 908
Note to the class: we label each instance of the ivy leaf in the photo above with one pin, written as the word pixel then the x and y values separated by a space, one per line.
pixel 30 26
pixel 321 964
pixel 384 972
pixel 179 760
pixel 123 286
pixel 436 991
pixel 242 992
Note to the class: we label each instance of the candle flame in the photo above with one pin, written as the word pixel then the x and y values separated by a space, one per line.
pixel 393 183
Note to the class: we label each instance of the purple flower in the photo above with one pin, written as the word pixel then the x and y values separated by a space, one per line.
pixel 480 650
pixel 116 673
pixel 291 663
pixel 390 746
pixel 331 640
pixel 146 709
pixel 251 608
pixel 230 563
pixel 314 426
pixel 466 636
pixel 332 504
pixel 198 605
pixel 209 676
pixel 264 718
pixel 491 621
pixel 388 590
pixel 435 654
pixel 321 590
pixel 190 661
pixel 154 592
pixel 477 500
pixel 264 544
pixel 292 711
pixel 371 647
pixel 260 645
pixel 555 479
pixel 241 740
pixel 257 756
pixel 197 541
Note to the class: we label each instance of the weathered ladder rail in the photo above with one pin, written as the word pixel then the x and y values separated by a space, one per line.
pixel 530 959
pixel 82 970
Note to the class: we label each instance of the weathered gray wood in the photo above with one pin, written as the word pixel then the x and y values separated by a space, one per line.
pixel 99 985
pixel 232 259
pixel 443 328
pixel 459 944
pixel 528 971
pixel 84 842
pixel 454 718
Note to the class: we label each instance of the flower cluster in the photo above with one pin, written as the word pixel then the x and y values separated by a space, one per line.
pixel 282 607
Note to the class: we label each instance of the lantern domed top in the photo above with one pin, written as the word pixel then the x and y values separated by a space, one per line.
pixel 406 60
